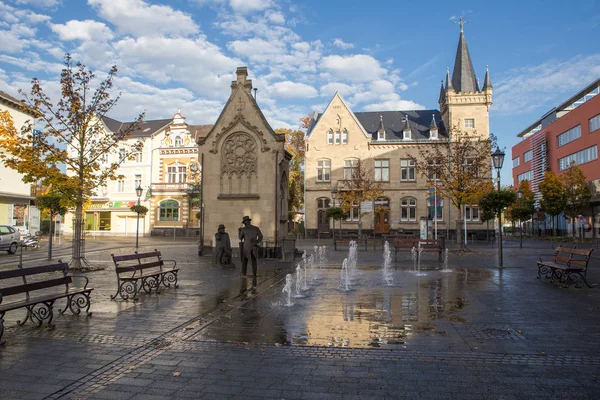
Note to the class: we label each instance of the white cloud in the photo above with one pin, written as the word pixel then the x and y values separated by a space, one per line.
pixel 82 30
pixel 394 103
pixel 275 16
pixel 330 88
pixel 255 48
pixel 382 86
pixel 248 6
pixel 355 68
pixel 138 18
pixel 292 90
pixel 39 3
pixel 342 45
pixel 522 90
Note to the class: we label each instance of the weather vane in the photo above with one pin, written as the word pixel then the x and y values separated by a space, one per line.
pixel 462 23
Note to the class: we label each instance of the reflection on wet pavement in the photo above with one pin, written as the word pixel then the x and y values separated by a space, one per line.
pixel 371 314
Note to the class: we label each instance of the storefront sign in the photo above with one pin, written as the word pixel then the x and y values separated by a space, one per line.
pixel 112 204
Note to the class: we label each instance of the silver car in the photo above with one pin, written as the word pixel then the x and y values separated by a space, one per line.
pixel 9 239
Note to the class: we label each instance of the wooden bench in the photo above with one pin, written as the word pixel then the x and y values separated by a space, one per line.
pixel 37 289
pixel 568 265
pixel 391 238
pixel 427 246
pixel 347 239
pixel 143 271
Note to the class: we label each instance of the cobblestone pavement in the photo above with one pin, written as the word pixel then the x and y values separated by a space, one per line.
pixel 476 333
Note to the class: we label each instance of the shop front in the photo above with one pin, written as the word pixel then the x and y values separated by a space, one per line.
pixel 114 218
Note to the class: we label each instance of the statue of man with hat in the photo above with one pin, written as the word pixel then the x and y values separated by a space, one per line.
pixel 250 237
pixel 222 246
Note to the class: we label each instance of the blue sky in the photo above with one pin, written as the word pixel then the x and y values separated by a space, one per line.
pixel 380 54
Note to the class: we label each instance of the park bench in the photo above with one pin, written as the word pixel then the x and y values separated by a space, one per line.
pixel 143 271
pixel 36 289
pixel 568 265
pixel 392 237
pixel 427 246
pixel 347 239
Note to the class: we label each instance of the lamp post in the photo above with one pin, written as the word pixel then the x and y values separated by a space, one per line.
pixel 138 192
pixel 334 194
pixel 519 197
pixel 498 160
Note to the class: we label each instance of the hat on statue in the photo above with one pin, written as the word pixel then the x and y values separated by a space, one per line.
pixel 221 226
pixel 246 218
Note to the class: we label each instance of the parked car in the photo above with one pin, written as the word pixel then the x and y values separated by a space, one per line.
pixel 9 239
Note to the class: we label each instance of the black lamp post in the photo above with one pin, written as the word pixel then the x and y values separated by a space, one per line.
pixel 498 160
pixel 138 192
pixel 334 194
pixel 520 196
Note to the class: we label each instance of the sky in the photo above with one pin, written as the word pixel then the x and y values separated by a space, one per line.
pixel 379 54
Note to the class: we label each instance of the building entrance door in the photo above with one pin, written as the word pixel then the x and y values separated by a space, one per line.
pixel 382 220
pixel 322 222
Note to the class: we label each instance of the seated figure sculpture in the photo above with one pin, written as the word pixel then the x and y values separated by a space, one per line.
pixel 222 246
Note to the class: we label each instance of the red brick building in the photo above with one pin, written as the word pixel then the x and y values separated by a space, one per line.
pixel 568 132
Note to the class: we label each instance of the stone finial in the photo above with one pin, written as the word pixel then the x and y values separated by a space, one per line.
pixel 242 75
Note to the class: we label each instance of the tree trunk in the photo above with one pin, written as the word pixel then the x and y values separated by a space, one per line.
pixel 50 239
pixel 459 241
pixel 77 236
pixel 487 231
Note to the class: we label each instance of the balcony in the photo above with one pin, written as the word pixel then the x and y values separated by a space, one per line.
pixel 169 187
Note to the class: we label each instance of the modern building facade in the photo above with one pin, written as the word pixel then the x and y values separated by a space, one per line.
pixel 15 195
pixel 570 132
pixel 384 141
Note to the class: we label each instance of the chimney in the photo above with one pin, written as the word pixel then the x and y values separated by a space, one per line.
pixel 242 75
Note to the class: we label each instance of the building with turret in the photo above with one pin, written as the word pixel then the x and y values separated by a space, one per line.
pixel 339 138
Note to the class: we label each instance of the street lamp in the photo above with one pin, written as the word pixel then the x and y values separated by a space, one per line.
pixel 334 194
pixel 520 196
pixel 138 192
pixel 498 160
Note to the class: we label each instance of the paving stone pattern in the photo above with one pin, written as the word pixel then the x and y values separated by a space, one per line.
pixel 478 333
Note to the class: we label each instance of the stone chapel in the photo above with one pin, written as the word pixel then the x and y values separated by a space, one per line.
pixel 244 169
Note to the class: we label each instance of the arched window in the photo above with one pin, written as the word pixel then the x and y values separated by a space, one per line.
pixel 168 210
pixel 178 141
pixel 408 209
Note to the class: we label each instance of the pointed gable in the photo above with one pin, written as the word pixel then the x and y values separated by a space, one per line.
pixel 463 75
pixel 241 109
pixel 346 119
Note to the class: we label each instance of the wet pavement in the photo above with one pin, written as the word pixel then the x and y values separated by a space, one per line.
pixel 474 333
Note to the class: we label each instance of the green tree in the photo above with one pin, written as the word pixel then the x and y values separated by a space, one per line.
pixel 553 195
pixel 496 201
pixel 458 168
pixel 53 204
pixel 67 153
pixel 577 193
pixel 524 210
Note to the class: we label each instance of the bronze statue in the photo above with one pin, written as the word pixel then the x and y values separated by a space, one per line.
pixel 222 246
pixel 250 237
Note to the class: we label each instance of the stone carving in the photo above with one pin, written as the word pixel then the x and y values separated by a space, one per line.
pixel 239 155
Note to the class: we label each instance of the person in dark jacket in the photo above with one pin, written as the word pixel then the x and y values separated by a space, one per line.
pixel 250 237
pixel 222 246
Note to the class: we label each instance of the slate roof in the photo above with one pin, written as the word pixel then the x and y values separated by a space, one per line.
pixel 394 122
pixel 463 75
pixel 14 102
pixel 146 129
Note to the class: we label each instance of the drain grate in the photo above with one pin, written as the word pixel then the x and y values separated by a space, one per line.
pixel 489 332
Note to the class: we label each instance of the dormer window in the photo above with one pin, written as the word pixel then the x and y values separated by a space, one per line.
pixel 380 135
pixel 433 129
pixel 433 134
pixel 406 134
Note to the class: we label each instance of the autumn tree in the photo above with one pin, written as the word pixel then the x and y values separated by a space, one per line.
pixel 577 193
pixel 294 144
pixel 67 152
pixel 458 168
pixel 359 185
pixel 553 195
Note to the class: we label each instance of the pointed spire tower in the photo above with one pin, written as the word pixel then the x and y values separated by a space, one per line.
pixel 463 104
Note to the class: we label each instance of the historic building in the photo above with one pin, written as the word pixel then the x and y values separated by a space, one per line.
pixel 166 169
pixel 15 195
pixel 244 169
pixel 569 132
pixel 383 141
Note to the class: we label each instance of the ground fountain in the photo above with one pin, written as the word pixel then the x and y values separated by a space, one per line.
pixel 288 290
pixel 446 269
pixel 304 270
pixel 311 266
pixel 345 276
pixel 388 275
pixel 419 251
pixel 299 281
pixel 352 259
pixel 413 253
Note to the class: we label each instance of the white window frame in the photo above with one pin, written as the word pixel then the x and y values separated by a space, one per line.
pixel 350 165
pixel 440 208
pixel 329 137
pixel 324 168
pixel 410 205
pixel 581 157
pixel 137 180
pixel 337 137
pixel 568 136
pixel 470 123
pixel 139 157
pixel 408 166
pixel 122 155
pixel 120 185
pixel 353 214
pixel 516 161
pixel 177 142
pixel 406 135
pixel 344 137
pixel 382 168
pixel 472 213
pixel 525 176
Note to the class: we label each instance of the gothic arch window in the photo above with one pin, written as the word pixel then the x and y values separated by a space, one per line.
pixel 239 165
pixel 168 210
pixel 178 141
